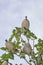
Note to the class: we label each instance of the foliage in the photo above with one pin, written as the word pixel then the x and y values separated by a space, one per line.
pixel 18 44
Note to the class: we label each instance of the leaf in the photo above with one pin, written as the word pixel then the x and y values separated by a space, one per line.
pixel 22 55
pixel 19 29
pixel 11 37
pixel 10 63
pixel 41 62
pixel 22 41
pixel 16 64
pixel 17 38
pixel 20 64
pixel 11 56
pixel 3 48
pixel 0 62
pixel 13 31
pixel 30 34
pixel 33 35
pixel 5 56
pixel 30 60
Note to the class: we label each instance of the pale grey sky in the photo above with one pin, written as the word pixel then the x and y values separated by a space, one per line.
pixel 12 13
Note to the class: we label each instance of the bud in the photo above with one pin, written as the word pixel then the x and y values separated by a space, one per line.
pixel 25 24
pixel 27 49
pixel 5 63
pixel 9 46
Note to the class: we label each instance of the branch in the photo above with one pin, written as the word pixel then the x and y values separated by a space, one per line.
pixel 27 61
pixel 24 59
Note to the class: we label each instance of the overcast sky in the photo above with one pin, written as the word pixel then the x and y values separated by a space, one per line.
pixel 12 13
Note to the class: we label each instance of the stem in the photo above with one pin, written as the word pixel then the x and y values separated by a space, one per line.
pixel 34 55
pixel 39 57
pixel 33 45
pixel 25 60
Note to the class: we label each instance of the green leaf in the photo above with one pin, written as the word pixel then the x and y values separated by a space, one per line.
pixel 20 64
pixel 22 41
pixel 10 63
pixel 22 55
pixel 11 37
pixel 41 62
pixel 13 31
pixel 35 45
pixel 16 64
pixel 11 56
pixel 3 48
pixel 30 60
pixel 5 56
pixel 30 34
pixel 0 62
pixel 17 38
pixel 33 35
pixel 19 29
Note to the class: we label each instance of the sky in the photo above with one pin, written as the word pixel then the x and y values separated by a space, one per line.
pixel 13 12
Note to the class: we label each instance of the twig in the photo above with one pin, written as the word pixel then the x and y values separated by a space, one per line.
pixel 24 59
pixel 33 45
pixel 27 61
